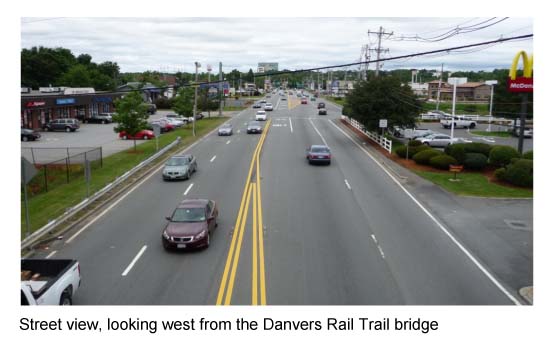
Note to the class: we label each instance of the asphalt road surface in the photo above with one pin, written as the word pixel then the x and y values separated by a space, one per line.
pixel 289 233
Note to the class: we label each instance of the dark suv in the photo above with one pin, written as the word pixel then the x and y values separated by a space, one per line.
pixel 99 118
pixel 66 124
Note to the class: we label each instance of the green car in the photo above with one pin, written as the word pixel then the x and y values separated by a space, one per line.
pixel 180 167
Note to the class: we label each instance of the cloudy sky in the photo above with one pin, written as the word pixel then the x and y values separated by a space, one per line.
pixel 173 44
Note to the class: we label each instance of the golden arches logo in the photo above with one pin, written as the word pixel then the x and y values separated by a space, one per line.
pixel 527 65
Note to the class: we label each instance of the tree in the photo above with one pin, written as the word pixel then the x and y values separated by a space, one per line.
pixel 131 115
pixel 207 103
pixel 84 59
pixel 42 66
pixel 183 102
pixel 77 76
pixel 382 98
pixel 249 77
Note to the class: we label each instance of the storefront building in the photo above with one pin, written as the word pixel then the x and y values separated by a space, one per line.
pixel 40 107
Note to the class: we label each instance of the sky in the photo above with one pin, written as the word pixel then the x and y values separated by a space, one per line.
pixel 174 44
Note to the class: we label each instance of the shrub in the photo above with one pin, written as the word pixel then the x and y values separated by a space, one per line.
pixel 528 155
pixel 502 155
pixel 163 103
pixel 457 151
pixel 423 158
pixel 414 143
pixel 500 173
pixel 477 147
pixel 442 161
pixel 475 161
pixel 402 150
pixel 519 173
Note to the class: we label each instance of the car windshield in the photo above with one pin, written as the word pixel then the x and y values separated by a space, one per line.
pixel 192 214
pixel 226 126
pixel 177 161
pixel 319 150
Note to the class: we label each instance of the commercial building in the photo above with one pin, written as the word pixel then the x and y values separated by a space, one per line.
pixel 470 91
pixel 38 107
pixel 267 67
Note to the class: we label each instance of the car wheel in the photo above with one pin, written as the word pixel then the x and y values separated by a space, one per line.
pixel 124 137
pixel 145 137
pixel 427 144
pixel 66 299
pixel 207 240
pixel 472 125
pixel 24 138
pixel 67 129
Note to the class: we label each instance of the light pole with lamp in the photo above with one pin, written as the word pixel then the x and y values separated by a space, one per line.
pixel 455 81
pixel 492 84
pixel 195 100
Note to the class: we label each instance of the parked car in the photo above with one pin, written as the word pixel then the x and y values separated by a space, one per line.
pixel 199 116
pixel 318 154
pixel 180 167
pixel 165 125
pixel 151 110
pixel 268 107
pixel 29 135
pixel 142 135
pixel 420 132
pixel 254 127
pixel 175 122
pixel 527 132
pixel 102 118
pixel 225 130
pixel 256 105
pixel 66 124
pixel 438 140
pixel 322 111
pixel 260 116
pixel 190 225
pixel 49 281
pixel 321 105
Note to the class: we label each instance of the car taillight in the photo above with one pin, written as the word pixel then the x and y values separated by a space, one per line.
pixel 328 156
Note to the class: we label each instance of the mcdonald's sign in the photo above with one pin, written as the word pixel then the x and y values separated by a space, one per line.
pixel 524 83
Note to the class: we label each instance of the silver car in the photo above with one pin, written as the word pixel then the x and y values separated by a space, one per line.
pixel 179 167
pixel 438 140
pixel 225 130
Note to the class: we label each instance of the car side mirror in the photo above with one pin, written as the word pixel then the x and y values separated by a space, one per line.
pixel 168 218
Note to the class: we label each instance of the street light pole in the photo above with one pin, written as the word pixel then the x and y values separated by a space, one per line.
pixel 195 100
pixel 453 111
pixel 492 84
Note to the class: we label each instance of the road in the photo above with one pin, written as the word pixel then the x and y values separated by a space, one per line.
pixel 289 233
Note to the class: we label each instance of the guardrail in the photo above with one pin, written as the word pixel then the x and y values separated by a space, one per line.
pixel 380 140
pixel 34 237
pixel 477 118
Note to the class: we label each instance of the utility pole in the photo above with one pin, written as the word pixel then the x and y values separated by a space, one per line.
pixel 221 89
pixel 379 34
pixel 522 117
pixel 439 89
pixel 195 100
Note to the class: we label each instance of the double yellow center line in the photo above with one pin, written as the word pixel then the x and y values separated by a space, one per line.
pixel 252 189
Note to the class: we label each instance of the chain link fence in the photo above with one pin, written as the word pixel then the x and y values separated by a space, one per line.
pixel 57 166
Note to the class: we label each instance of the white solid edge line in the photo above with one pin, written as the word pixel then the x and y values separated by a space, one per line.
pixel 51 254
pixel 227 142
pixel 380 250
pixel 213 158
pixel 188 189
pixel 374 239
pixel 347 184
pixel 131 190
pixel 126 271
pixel 443 228
pixel 313 125
pixel 290 124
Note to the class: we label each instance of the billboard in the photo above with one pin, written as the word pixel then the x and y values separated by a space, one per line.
pixel 268 66
pixel 524 83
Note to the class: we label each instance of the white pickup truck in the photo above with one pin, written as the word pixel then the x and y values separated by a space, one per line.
pixel 49 281
pixel 459 122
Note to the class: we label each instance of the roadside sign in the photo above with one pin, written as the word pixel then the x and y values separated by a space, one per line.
pixel 28 171
pixel 157 130
pixel 383 123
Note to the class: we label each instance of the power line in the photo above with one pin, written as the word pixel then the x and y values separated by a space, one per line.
pixel 39 20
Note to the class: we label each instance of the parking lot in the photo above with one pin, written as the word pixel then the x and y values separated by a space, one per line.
pixel 466 134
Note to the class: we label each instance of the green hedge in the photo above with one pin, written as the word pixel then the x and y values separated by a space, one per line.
pixel 477 147
pixel 519 173
pixel 414 143
pixel 402 150
pixel 457 151
pixel 528 155
pixel 442 161
pixel 423 158
pixel 475 161
pixel 501 156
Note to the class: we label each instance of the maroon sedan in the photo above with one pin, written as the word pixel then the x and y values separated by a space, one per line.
pixel 142 135
pixel 191 224
pixel 318 154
